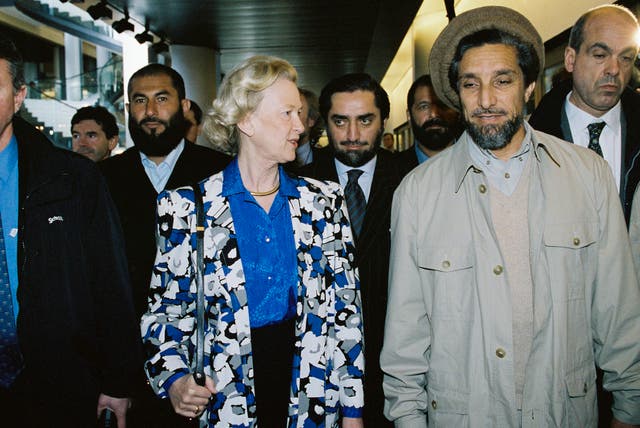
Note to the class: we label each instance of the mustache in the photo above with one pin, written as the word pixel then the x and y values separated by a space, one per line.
pixel 436 121
pixel 154 119
pixel 609 80
pixel 481 111
pixel 353 143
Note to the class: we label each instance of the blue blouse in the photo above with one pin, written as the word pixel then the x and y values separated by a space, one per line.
pixel 267 248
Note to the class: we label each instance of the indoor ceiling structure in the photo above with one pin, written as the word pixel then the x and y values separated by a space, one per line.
pixel 322 39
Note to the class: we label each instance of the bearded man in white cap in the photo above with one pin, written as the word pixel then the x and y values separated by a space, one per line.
pixel 511 274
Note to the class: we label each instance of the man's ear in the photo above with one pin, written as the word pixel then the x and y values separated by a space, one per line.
pixel 113 142
pixel 18 98
pixel 186 105
pixel 528 91
pixel 569 58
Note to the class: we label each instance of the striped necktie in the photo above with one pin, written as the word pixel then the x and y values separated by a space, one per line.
pixel 356 202
pixel 595 129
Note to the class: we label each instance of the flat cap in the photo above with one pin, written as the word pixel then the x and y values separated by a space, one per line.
pixel 470 22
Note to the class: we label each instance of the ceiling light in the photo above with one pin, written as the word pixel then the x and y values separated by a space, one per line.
pixel 161 46
pixel 100 10
pixel 123 24
pixel 144 37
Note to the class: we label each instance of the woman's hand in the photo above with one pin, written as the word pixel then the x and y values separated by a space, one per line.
pixel 352 423
pixel 190 399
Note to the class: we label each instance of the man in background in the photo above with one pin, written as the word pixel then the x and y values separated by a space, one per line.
pixel 355 108
pixel 435 125
pixel 388 142
pixel 160 159
pixel 94 132
pixel 595 109
pixel 193 117
pixel 69 340
pixel 313 127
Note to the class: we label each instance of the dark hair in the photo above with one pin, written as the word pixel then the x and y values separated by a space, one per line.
pixel 576 37
pixel 10 53
pixel 101 116
pixel 527 57
pixel 314 112
pixel 156 70
pixel 351 83
pixel 424 80
pixel 197 112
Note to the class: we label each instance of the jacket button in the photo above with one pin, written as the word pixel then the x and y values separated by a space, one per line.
pixel 576 241
pixel 585 388
pixel 501 353
pixel 482 188
pixel 434 405
pixel 498 270
pixel 446 264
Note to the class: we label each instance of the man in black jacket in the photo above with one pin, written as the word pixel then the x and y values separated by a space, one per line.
pixel 600 56
pixel 160 159
pixel 355 108
pixel 435 125
pixel 77 344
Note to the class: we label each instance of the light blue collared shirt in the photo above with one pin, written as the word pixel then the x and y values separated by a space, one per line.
pixel 159 173
pixel 9 211
pixel 503 175
pixel 364 180
pixel 422 156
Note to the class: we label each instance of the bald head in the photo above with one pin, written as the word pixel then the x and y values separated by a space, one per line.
pixel 602 49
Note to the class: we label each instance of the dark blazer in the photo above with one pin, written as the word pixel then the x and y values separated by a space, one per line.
pixel 372 258
pixel 407 160
pixel 551 118
pixel 135 198
pixel 76 325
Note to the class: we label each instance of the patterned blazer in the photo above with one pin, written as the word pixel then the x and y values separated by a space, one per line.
pixel 328 364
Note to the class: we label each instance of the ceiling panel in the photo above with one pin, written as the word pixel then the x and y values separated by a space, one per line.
pixel 322 39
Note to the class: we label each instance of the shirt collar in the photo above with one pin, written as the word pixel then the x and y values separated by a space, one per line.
pixel 232 183
pixel 169 161
pixel 8 159
pixel 480 154
pixel 465 163
pixel 580 119
pixel 422 156
pixel 367 168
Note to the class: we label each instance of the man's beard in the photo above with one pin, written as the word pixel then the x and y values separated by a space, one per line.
pixel 434 139
pixel 158 144
pixel 355 158
pixel 494 137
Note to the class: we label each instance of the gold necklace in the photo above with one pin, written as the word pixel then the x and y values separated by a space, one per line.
pixel 267 193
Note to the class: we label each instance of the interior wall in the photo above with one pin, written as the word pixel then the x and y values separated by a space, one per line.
pixel 549 17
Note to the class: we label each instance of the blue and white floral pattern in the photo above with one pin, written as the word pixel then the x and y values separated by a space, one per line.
pixel 328 363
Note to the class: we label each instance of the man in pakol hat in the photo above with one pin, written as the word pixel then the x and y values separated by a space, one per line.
pixel 511 275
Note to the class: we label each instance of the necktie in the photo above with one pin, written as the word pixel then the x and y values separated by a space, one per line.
pixel 10 357
pixel 356 202
pixel 595 129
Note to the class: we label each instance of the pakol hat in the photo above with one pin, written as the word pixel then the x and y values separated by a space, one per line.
pixel 470 22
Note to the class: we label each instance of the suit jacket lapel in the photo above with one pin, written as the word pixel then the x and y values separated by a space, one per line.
pixel 374 217
pixel 177 177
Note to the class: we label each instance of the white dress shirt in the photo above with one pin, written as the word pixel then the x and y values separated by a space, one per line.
pixel 610 139
pixel 364 180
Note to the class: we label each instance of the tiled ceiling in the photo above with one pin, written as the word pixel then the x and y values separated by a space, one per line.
pixel 322 39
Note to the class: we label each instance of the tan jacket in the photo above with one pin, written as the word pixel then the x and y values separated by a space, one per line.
pixel 448 340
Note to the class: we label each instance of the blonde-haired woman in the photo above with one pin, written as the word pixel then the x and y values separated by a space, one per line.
pixel 283 333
